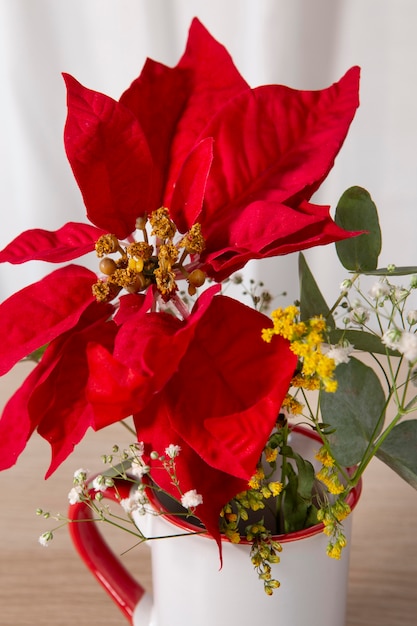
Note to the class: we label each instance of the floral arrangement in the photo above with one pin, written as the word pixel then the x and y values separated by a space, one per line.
pixel 187 177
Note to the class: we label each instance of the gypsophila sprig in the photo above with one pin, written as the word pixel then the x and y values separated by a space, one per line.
pixel 128 465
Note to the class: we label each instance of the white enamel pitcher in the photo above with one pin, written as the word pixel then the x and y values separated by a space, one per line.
pixel 189 589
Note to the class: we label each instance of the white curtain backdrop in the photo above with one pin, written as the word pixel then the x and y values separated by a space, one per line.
pixel 306 44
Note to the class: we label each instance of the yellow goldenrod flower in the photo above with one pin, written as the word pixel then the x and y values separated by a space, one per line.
pixel 255 481
pixel 330 478
pixel 325 457
pixel 334 551
pixel 233 537
pixel 292 405
pixel 271 454
pixel 275 488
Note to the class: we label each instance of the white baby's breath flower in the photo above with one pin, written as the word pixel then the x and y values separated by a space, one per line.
pixel 412 317
pixel 172 451
pixel 359 315
pixel 391 338
pixel 139 448
pixel 75 495
pixel 408 346
pixel 99 483
pixel 46 538
pixel 136 502
pixel 345 285
pixel 80 475
pixel 380 289
pixel 399 294
pixel 191 499
pixel 340 354
pixel 139 469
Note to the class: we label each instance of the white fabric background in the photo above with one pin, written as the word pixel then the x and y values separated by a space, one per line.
pixel 306 44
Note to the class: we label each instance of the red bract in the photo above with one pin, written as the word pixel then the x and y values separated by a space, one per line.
pixel 52 398
pixel 39 313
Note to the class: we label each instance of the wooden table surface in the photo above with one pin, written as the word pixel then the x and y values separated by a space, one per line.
pixel 51 586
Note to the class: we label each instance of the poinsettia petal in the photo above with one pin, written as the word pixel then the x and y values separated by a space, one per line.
pixel 62 410
pixel 287 141
pixel 156 334
pixel 246 238
pixel 217 488
pixel 113 388
pixel 187 199
pixel 213 80
pixel 130 304
pixel 147 99
pixel 40 312
pixel 110 158
pixel 69 242
pixel 16 425
pixel 228 390
pixel 43 393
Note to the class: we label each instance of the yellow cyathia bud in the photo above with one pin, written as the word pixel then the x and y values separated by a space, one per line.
pixel 107 266
pixel 197 278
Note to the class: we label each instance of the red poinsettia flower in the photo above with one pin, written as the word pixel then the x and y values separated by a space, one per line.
pixel 220 174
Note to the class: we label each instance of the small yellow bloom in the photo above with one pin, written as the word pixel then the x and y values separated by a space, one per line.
pixel 292 405
pixel 271 454
pixel 334 551
pixel 256 479
pixel 275 488
pixel 266 493
pixel 233 536
pixel 325 457
pixel 330 478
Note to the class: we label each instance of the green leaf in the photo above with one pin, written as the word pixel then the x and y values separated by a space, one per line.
pixel 393 271
pixel 399 451
pixel 366 342
pixel 297 505
pixel 306 477
pixel 354 410
pixel 312 302
pixel 356 211
pixel 297 510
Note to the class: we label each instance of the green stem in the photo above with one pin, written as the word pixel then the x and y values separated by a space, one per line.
pixel 279 514
pixel 129 428
pixel 341 297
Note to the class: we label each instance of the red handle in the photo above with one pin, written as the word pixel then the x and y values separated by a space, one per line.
pixel 124 590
